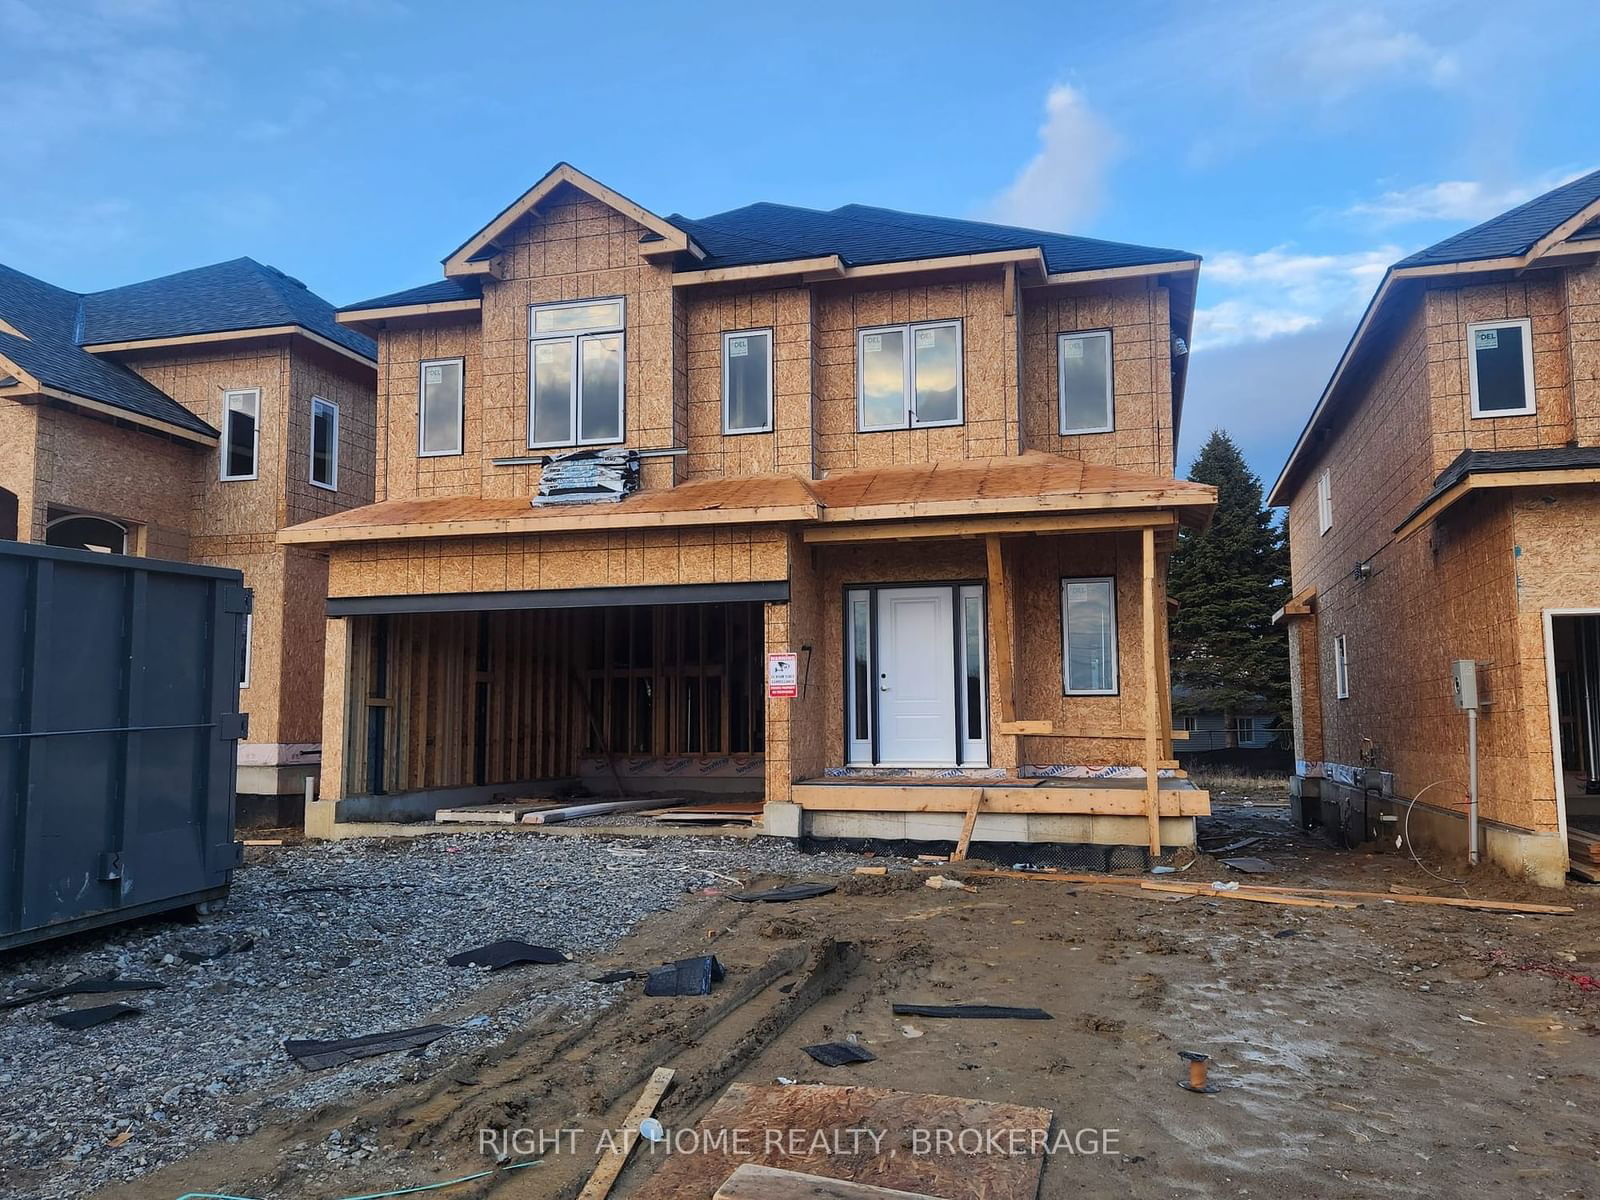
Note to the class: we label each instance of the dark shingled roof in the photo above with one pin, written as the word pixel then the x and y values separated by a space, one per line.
pixel 862 235
pixel 1489 462
pixel 429 293
pixel 1513 232
pixel 236 295
pixel 50 353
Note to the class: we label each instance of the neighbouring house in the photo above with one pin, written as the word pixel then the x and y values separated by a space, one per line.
pixel 1444 506
pixel 861 512
pixel 1209 729
pixel 191 417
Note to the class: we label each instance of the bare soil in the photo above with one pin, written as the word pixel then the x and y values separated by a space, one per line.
pixel 1387 1050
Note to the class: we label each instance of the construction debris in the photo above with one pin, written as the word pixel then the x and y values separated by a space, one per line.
pixel 781 895
pixel 88 1018
pixel 509 952
pixel 752 1182
pixel 837 1054
pixel 1250 865
pixel 616 1157
pixel 320 1055
pixel 1196 1080
pixel 972 1012
pixel 686 977
pixel 945 883
pixel 593 808
pixel 81 987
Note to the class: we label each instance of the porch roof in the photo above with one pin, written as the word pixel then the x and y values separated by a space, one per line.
pixel 1020 485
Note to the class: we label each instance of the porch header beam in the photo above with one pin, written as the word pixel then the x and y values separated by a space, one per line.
pixel 959 527
pixel 597 597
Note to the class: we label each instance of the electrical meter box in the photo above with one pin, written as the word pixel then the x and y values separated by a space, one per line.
pixel 1464 683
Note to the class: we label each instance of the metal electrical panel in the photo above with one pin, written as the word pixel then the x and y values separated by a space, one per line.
pixel 1464 683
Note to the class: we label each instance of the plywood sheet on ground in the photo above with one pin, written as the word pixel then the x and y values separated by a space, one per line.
pixel 812 1127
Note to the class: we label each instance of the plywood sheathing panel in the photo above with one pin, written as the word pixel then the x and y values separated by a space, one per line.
pixel 886 1161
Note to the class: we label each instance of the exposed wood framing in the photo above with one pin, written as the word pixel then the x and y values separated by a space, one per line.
pixel 232 335
pixel 1153 745
pixel 956 527
pixel 967 826
pixel 1001 646
pixel 363 316
pixel 1177 799
pixel 1493 479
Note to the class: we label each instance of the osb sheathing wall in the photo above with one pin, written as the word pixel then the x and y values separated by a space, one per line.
pixel 319 373
pixel 54 457
pixel 1137 315
pixel 989 372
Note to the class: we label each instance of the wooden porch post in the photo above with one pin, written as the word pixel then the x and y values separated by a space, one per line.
pixel 1000 642
pixel 1152 698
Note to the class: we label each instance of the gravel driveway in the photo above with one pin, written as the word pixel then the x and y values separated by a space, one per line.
pixel 324 940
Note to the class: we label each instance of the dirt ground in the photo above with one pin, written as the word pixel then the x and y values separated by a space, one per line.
pixel 1384 1050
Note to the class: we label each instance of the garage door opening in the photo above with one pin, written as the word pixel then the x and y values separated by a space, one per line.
pixel 641 699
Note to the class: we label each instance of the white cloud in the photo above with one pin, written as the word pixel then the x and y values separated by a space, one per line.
pixel 1064 184
pixel 1461 200
pixel 1283 290
pixel 1340 57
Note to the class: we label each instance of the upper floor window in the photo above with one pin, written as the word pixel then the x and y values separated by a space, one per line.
pixel 1324 502
pixel 241 433
pixel 1085 381
pixel 747 381
pixel 439 406
pixel 1500 365
pixel 324 443
pixel 575 357
pixel 910 375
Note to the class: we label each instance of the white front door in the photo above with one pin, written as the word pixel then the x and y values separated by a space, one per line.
pixel 916 677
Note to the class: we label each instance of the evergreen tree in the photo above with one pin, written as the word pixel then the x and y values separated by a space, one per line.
pixel 1228 581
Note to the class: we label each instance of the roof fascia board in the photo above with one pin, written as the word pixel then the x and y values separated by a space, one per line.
pixel 229 335
pixel 102 409
pixel 1564 230
pixel 362 316
pixel 1488 480
pixel 674 240
pixel 1099 274
pixel 828 266
pixel 831 266
pixel 26 381
pixel 7 327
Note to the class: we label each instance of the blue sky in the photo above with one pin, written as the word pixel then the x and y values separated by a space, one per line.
pixel 1299 147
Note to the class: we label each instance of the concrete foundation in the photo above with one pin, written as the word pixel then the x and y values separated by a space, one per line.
pixel 990 827
pixel 421 805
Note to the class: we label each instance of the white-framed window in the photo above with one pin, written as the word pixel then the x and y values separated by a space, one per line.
pixel 1246 729
pixel 1188 725
pixel 576 356
pixel 1324 502
pixel 973 703
pixel 244 650
pixel 909 376
pixel 859 693
pixel 440 406
pixel 1341 668
pixel 747 381
pixel 1089 636
pixel 1500 367
pixel 241 433
pixel 1084 371
pixel 324 443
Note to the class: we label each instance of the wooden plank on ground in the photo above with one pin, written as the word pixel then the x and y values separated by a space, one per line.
pixel 815 1116
pixel 1246 894
pixel 605 1175
pixel 967 826
pixel 504 813
pixel 751 1182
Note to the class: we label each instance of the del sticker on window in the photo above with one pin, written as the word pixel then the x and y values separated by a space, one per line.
pixel 925 339
pixel 1072 348
pixel 1488 339
pixel 873 342
pixel 544 354
pixel 738 347
pixel 434 375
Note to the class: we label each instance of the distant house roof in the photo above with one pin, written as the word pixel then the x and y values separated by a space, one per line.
pixel 233 296
pixel 1512 235
pixel 240 294
pixel 863 235
pixel 1513 232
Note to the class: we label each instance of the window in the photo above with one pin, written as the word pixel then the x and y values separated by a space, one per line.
pixel 1246 729
pixel 575 359
pixel 1089 637
pixel 439 407
pixel 747 381
pixel 1341 669
pixel 244 650
pixel 1500 365
pixel 1324 502
pixel 80 532
pixel 858 684
pixel 973 702
pixel 324 443
pixel 241 433
pixel 909 376
pixel 1085 375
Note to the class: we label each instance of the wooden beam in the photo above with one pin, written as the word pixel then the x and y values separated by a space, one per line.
pixel 1487 480
pixel 1152 700
pixel 967 826
pixel 1104 273
pixel 231 335
pixel 361 316
pixel 1090 801
pixel 1000 643
pixel 605 1175
pixel 1147 499
pixel 1027 729
pixel 132 418
pixel 955 527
